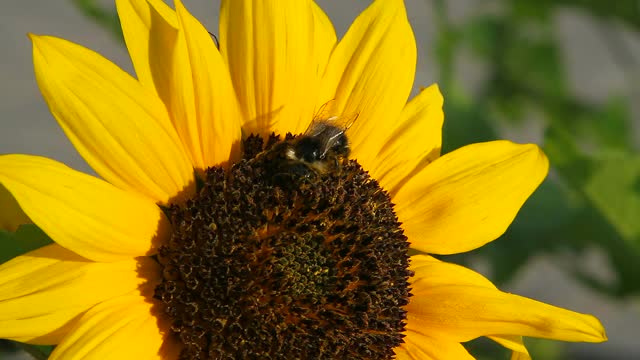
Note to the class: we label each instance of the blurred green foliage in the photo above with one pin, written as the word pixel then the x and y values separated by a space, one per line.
pixel 592 196
pixel 103 15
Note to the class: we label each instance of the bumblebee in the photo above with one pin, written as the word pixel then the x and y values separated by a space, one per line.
pixel 322 148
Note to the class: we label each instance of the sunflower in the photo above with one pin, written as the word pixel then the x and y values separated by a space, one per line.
pixel 201 240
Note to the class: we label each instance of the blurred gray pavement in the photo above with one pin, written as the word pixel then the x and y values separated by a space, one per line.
pixel 26 126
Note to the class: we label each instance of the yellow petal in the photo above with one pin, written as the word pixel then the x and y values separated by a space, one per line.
pixel 458 304
pixel 415 142
pixel 204 107
pixel 120 328
pixel 43 291
pixel 468 197
pixel 11 215
pixel 82 213
pixel 443 273
pixel 515 343
pixel 420 346
pixel 371 73
pixel 276 52
pixel 118 126
pixel 150 28
pixel 324 38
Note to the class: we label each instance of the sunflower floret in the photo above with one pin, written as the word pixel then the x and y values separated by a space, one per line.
pixel 317 271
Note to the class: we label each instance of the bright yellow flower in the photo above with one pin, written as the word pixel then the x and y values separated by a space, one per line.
pixel 92 292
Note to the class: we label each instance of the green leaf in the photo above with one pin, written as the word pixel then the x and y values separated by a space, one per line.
pixel 546 349
pixel 469 124
pixel 101 15
pixel 28 237
pixel 483 34
pixel 606 192
pixel 531 10
pixel 613 189
pixel 567 158
pixel 627 11
pixel 592 228
pixel 610 126
pixel 534 63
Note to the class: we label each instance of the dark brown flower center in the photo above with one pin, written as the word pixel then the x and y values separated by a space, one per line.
pixel 309 267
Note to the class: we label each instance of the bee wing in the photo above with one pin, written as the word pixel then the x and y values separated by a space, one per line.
pixel 328 116
pixel 326 110
pixel 330 132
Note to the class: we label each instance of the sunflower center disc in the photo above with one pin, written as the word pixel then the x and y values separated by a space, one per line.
pixel 316 269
